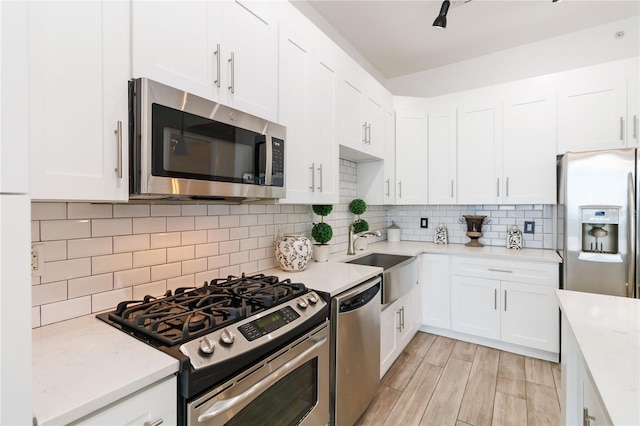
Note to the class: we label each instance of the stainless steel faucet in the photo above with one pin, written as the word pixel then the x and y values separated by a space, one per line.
pixel 353 237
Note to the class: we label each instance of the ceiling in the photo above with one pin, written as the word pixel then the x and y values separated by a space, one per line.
pixel 397 36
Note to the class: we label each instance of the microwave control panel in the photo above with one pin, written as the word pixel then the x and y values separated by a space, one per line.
pixel 277 162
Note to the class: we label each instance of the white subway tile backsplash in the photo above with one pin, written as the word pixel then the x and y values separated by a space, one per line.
pixel 258 254
pixel 87 247
pixel 206 250
pixel 176 254
pixel 216 262
pixel 206 222
pixel 230 270
pixel 168 270
pixel 194 237
pixel 131 243
pixel 35 317
pixel 131 210
pixel 218 210
pixel 195 265
pixel 194 210
pixel 229 221
pixel 229 246
pixel 35 230
pixel 259 231
pixel 111 263
pixel 48 211
pixel 238 233
pixel 248 220
pixel 182 223
pixel 154 289
pixel 89 211
pixel 239 209
pixel 166 239
pixel 64 229
pixel 149 257
pixel 110 227
pixel 131 277
pixel 48 293
pixel 67 309
pixel 66 269
pixel 248 244
pixel 166 210
pixel 257 208
pixel 239 257
pixel 110 299
pixel 149 225
pixel 88 285
pixel 55 250
pixel 184 281
pixel 215 235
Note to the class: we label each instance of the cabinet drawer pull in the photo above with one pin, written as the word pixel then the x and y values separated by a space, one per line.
pixel 498 187
pixel 622 128
pixel 364 132
pixel 495 299
pixel 154 423
pixel 313 177
pixel 368 134
pixel 500 270
pixel 320 170
pixel 400 189
pixel 388 187
pixel 399 320
pixel 118 133
pixel 217 53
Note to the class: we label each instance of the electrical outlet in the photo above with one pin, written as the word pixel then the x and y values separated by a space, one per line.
pixel 37 260
pixel 529 227
pixel 424 222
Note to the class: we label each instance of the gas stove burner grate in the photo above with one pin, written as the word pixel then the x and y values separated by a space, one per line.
pixel 191 312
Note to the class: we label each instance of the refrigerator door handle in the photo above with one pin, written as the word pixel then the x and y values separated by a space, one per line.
pixel 631 236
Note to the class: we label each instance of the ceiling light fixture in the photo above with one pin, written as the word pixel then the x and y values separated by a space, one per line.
pixel 441 20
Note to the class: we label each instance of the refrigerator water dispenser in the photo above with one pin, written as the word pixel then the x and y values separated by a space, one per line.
pixel 600 233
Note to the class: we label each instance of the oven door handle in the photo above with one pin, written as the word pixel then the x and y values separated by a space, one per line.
pixel 247 396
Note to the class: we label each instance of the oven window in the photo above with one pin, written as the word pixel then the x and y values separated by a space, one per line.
pixel 285 403
pixel 192 147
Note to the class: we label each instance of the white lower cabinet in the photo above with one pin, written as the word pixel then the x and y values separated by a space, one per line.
pixel 509 301
pixel 154 405
pixel 399 322
pixel 436 301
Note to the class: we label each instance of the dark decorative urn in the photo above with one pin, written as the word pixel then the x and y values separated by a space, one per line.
pixel 474 229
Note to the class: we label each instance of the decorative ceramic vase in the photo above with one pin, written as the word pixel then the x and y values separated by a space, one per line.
pixel 474 229
pixel 441 236
pixel 514 239
pixel 293 252
pixel 321 252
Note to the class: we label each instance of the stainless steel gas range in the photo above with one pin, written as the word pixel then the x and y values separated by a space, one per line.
pixel 252 349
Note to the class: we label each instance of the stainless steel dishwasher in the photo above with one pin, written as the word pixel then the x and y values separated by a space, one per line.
pixel 355 354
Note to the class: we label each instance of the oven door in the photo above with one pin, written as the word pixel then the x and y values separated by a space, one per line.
pixel 290 387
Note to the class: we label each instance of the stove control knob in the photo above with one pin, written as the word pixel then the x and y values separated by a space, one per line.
pixel 227 336
pixel 313 299
pixel 207 346
pixel 302 303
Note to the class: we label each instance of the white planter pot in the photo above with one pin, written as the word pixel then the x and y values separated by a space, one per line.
pixel 321 252
pixel 293 252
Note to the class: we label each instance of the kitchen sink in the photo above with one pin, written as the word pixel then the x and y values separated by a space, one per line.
pixel 399 275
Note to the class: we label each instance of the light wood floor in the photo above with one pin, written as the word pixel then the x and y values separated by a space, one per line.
pixel 442 381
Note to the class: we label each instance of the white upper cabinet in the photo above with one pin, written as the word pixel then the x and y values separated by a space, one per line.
pixel 361 115
pixel 212 49
pixel 78 73
pixel 411 158
pixel 480 154
pixel 442 163
pixel 14 121
pixel 307 107
pixel 592 115
pixel 389 174
pixel 529 149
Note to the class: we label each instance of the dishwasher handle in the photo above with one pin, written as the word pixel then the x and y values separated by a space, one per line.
pixel 360 296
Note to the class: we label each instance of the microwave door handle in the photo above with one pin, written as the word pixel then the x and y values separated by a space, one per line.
pixel 268 172
pixel 243 399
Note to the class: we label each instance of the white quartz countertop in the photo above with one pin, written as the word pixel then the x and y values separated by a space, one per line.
pixel 607 329
pixel 84 364
pixel 335 276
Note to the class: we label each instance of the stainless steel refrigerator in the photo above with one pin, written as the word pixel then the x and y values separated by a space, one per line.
pixel 597 238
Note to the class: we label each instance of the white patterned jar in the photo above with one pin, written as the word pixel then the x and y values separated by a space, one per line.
pixel 293 252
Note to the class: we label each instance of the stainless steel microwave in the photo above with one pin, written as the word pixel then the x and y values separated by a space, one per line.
pixel 182 146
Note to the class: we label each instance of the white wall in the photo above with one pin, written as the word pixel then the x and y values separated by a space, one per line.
pixel 579 49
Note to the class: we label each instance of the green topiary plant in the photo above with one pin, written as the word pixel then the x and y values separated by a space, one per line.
pixel 358 207
pixel 322 232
